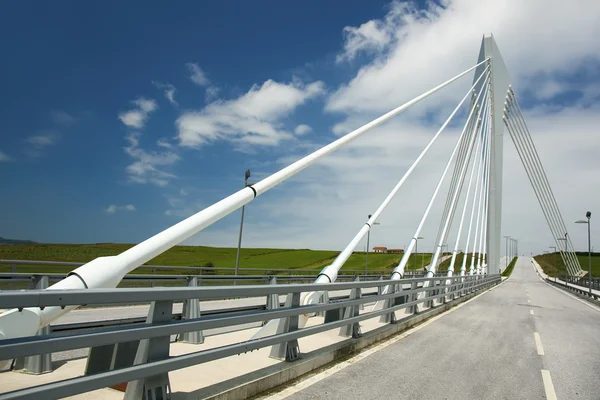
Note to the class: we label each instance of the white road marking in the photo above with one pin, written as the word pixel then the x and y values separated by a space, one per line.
pixel 529 301
pixel 531 312
pixel 527 294
pixel 538 343
pixel 548 386
pixel 311 380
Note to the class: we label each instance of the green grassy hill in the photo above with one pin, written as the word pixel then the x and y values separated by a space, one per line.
pixel 201 256
pixel 547 262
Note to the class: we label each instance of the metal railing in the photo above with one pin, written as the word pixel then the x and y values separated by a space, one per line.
pixel 198 270
pixel 407 294
pixel 577 285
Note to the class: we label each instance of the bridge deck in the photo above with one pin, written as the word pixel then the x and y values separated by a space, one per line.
pixel 485 349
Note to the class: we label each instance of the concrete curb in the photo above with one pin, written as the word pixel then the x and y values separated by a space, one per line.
pixel 263 380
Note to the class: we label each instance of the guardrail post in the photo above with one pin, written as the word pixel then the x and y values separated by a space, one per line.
pixel 13 270
pixel 352 330
pixel 154 274
pixel 414 309
pixel 40 363
pixel 430 292
pixel 391 317
pixel 290 350
pixel 191 310
pixel 324 300
pixel 380 289
pixel 153 387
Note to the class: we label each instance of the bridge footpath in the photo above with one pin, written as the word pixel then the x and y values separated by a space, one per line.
pixel 522 340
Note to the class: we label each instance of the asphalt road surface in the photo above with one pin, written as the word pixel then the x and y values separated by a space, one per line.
pixel 522 340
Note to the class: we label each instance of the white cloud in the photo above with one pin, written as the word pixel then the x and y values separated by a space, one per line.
pixel 325 205
pixel 302 129
pixel 413 50
pixel 114 208
pixel 212 92
pixel 137 117
pixel 37 144
pixel 162 142
pixel 144 168
pixel 4 157
pixel 169 91
pixel 63 118
pixel 197 75
pixel 253 118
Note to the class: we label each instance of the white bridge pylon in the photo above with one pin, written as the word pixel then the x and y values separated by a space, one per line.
pixel 480 143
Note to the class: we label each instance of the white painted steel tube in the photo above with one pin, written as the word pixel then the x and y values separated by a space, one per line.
pixel 330 272
pixel 456 194
pixel 399 270
pixel 480 202
pixel 483 233
pixel 475 166
pixel 463 267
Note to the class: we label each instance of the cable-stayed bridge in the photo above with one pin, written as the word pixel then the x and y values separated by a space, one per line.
pixel 363 311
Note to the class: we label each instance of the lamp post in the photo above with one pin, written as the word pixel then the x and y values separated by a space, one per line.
pixel 237 257
pixel 417 252
pixel 565 257
pixel 554 259
pixel 588 215
pixel 507 238
pixel 368 241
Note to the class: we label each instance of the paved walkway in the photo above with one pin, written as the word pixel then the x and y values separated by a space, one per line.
pixel 521 340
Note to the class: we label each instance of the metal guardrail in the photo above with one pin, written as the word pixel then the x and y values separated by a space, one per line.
pixel 574 285
pixel 406 294
pixel 582 281
pixel 201 270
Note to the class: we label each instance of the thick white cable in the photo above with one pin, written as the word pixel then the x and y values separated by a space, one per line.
pixel 484 217
pixel 476 164
pixel 551 218
pixel 456 195
pixel 538 170
pixel 330 272
pixel 399 270
pixel 483 254
pixel 463 267
pixel 479 205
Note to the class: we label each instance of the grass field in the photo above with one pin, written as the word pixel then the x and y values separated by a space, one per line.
pixel 547 261
pixel 510 267
pixel 288 259
pixel 457 263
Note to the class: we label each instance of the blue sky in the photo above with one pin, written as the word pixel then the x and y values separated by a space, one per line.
pixel 119 119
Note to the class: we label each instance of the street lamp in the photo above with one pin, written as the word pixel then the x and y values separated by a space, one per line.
pixel 417 252
pixel 368 241
pixel 588 215
pixel 237 258
pixel 507 238
pixel 565 257
pixel 554 259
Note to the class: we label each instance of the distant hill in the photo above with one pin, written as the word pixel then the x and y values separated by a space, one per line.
pixel 15 241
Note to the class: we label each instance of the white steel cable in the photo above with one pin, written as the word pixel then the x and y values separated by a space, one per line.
pixel 536 163
pixel 479 205
pixel 463 267
pixel 399 270
pixel 484 217
pixel 476 163
pixel 456 194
